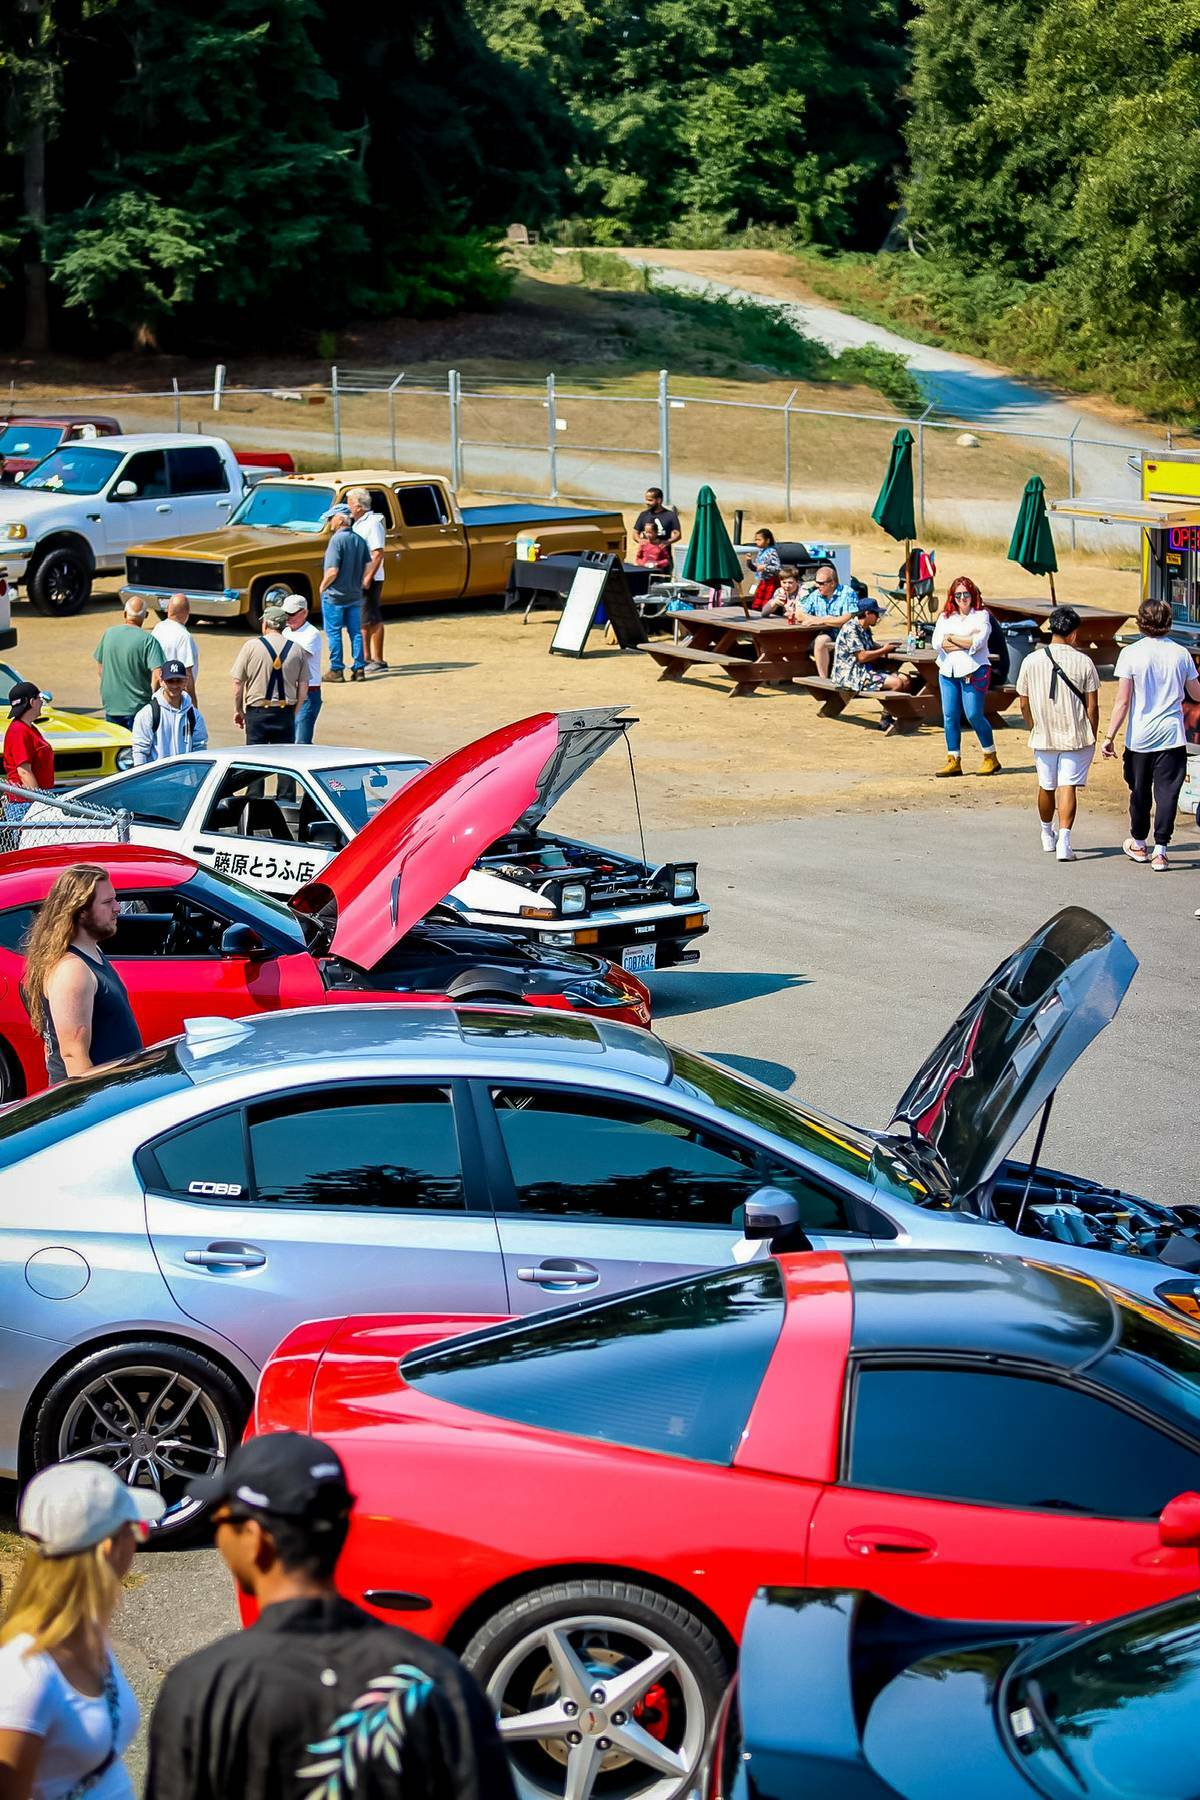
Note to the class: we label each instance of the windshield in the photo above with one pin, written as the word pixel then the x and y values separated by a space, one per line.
pixel 72 1106
pixel 79 469
pixel 29 440
pixel 845 1145
pixel 284 507
pixel 358 792
pixel 1156 1361
pixel 1087 1717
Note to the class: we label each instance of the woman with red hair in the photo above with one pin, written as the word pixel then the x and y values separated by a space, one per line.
pixel 960 638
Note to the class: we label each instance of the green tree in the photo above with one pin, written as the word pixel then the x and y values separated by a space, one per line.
pixel 740 112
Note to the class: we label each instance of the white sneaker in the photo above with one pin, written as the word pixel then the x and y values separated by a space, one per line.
pixel 1048 838
pixel 1158 861
pixel 1064 851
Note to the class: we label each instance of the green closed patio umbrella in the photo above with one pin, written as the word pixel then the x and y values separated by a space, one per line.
pixel 711 558
pixel 894 511
pixel 1032 544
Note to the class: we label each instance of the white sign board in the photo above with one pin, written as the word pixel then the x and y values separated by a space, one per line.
pixel 579 611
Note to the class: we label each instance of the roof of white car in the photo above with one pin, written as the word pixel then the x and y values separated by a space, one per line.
pixel 146 440
pixel 287 756
pixel 214 1048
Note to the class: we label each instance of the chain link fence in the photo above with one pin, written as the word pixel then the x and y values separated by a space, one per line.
pixel 776 459
pixel 32 817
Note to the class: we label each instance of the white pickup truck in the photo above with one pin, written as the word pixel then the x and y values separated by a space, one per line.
pixel 75 515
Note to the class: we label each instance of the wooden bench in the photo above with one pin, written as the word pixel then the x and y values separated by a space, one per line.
pixel 676 659
pixel 907 711
pixel 834 699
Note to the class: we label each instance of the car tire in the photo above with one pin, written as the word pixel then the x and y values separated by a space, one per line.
pixel 579 1644
pixel 60 582
pixel 167 1391
pixel 252 617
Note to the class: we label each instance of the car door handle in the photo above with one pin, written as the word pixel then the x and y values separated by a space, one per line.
pixel 162 509
pixel 224 504
pixel 204 850
pixel 94 517
pixel 888 1540
pixel 560 1272
pixel 226 1256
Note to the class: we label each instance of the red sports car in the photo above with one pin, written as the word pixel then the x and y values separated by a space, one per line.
pixel 584 1505
pixel 192 942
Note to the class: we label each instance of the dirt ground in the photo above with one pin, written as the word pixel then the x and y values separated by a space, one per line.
pixel 703 756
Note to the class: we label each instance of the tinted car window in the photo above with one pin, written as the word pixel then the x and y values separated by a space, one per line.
pixel 421 506
pixel 164 922
pixel 591 1156
pixel 674 1369
pixel 1009 1440
pixel 205 1160
pixel 395 1148
pixel 14 924
pixel 158 796
pixel 197 470
pixel 72 1106
pixel 148 473
pixel 1116 1695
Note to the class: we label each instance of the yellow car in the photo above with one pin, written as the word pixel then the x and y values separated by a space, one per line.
pixel 84 748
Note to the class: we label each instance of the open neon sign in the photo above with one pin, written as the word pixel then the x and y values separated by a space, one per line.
pixel 1184 537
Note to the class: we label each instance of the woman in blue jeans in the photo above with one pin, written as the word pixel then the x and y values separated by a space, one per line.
pixel 960 638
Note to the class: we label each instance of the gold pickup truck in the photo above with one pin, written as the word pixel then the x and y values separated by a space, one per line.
pixel 435 549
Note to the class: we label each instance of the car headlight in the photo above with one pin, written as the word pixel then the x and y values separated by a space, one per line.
pixel 14 531
pixel 683 886
pixel 1183 1293
pixel 125 757
pixel 572 897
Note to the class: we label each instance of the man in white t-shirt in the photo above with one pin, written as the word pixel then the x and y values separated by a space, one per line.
pixel 1153 676
pixel 372 529
pixel 1059 691
pixel 307 637
pixel 176 641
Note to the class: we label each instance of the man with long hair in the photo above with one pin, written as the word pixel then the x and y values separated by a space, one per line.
pixel 74 996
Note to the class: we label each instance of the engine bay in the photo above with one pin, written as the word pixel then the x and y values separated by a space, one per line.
pixel 1065 1209
pixel 529 858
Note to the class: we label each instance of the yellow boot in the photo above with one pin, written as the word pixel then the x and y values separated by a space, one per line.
pixel 952 766
pixel 990 764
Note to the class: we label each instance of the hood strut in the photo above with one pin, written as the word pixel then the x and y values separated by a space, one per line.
pixel 1033 1161
pixel 637 804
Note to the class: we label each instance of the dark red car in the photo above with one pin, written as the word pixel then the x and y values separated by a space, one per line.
pixel 584 1504
pixel 26 438
pixel 192 942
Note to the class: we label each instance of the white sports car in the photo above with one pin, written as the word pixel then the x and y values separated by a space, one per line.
pixel 274 815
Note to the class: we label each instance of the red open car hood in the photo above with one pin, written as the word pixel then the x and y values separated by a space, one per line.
pixel 422 843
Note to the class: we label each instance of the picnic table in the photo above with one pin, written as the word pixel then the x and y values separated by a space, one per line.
pixel 904 711
pixel 752 652
pixel 1098 628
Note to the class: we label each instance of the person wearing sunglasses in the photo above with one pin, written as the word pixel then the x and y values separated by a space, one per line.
pixel 67 1713
pixel 960 638
pixel 831 602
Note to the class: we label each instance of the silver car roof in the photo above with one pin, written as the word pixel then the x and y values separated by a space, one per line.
pixel 213 1049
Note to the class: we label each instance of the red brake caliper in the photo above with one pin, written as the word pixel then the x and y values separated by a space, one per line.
pixel 651 1711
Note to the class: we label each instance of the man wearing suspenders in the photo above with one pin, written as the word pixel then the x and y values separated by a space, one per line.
pixel 270 683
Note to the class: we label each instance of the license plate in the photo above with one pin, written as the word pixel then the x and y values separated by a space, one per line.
pixel 638 961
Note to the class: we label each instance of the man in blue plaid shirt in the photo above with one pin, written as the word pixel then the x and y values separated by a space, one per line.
pixel 826 597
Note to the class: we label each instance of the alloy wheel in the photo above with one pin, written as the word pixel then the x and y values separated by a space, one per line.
pixel 153 1426
pixel 597 1705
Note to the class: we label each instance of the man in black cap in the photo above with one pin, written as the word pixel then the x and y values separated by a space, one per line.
pixel 303 1705
pixel 171 723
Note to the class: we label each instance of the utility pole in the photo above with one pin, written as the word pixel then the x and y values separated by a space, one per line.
pixel 32 114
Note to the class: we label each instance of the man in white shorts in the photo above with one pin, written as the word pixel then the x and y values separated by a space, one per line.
pixel 1059 691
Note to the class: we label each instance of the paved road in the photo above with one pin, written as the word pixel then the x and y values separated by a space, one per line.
pixel 841 949
pixel 963 387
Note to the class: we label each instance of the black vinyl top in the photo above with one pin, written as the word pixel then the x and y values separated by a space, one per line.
pixel 978 1305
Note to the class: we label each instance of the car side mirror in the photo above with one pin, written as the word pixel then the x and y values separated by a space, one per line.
pixel 125 490
pixel 767 1212
pixel 243 944
pixel 324 833
pixel 1179 1522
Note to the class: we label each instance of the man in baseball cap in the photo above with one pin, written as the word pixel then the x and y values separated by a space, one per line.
pixel 171 723
pixel 259 1714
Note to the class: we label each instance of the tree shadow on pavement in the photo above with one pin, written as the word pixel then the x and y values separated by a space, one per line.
pixel 677 991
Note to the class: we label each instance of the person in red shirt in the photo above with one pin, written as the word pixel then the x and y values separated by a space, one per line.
pixel 28 757
pixel 654 552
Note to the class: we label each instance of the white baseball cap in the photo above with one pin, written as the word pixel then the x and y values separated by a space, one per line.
pixel 294 603
pixel 74 1506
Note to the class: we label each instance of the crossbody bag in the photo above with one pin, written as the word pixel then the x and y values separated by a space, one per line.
pixel 1061 674
pixel 113 1702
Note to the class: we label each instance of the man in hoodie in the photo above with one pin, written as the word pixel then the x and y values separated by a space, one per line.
pixel 171 723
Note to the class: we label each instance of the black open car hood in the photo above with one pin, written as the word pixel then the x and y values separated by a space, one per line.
pixel 583 737
pixel 984 1084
